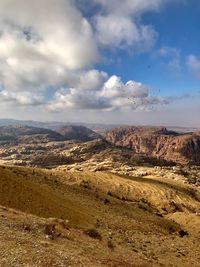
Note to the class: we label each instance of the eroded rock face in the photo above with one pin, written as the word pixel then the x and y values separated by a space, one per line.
pixel 158 142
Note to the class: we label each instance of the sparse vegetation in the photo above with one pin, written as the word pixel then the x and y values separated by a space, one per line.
pixel 110 244
pixel 130 231
pixel 93 233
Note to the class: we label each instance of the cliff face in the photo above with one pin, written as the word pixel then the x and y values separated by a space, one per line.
pixel 158 142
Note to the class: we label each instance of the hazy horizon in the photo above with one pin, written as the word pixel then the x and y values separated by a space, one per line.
pixel 96 123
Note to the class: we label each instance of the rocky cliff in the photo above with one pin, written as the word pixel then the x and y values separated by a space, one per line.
pixel 158 142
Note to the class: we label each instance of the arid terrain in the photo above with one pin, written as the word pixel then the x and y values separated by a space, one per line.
pixel 158 142
pixel 74 203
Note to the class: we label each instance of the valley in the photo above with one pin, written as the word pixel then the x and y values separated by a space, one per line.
pixel 65 201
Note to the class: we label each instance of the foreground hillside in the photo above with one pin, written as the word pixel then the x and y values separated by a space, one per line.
pixel 99 219
pixel 158 142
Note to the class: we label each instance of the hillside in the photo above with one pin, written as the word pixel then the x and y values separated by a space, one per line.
pixel 21 130
pixel 23 133
pixel 80 133
pixel 99 219
pixel 96 155
pixel 158 142
pixel 40 151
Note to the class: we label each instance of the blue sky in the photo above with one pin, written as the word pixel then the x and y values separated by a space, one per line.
pixel 178 26
pixel 131 62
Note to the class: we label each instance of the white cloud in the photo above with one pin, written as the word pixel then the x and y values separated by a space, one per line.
pixel 73 98
pixel 193 64
pixel 112 95
pixel 42 45
pixel 90 80
pixel 20 98
pixel 129 7
pixel 118 25
pixel 49 44
pixel 56 29
pixel 121 31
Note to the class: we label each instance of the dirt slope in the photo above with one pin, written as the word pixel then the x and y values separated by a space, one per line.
pixel 113 220
pixel 165 196
pixel 28 191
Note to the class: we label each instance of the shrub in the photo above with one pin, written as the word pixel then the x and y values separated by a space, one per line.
pixel 110 244
pixel 93 233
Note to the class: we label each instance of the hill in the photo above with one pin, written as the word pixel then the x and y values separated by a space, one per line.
pixel 53 125
pixel 13 132
pixel 80 133
pixel 158 142
pixel 21 130
pixel 99 219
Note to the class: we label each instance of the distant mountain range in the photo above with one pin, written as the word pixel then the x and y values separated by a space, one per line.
pixel 97 127
pixel 24 133
pixel 53 125
pixel 157 142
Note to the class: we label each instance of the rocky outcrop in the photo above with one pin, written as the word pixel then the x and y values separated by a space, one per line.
pixel 158 142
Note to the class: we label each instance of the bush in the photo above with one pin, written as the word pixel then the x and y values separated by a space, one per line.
pixel 93 233
pixel 110 244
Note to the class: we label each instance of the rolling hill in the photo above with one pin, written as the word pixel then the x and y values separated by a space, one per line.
pixel 80 133
pixel 102 219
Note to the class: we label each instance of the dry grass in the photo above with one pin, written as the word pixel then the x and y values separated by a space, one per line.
pixel 162 195
pixel 128 221
pixel 30 191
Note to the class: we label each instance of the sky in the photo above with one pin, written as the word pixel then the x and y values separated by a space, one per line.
pixel 100 61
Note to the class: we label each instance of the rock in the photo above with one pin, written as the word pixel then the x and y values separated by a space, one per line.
pixel 158 142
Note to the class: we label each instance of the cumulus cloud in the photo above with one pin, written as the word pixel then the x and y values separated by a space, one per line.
pixel 42 45
pixel 52 29
pixel 193 64
pixel 112 95
pixel 21 98
pixel 89 80
pixel 121 31
pixel 51 44
pixel 118 25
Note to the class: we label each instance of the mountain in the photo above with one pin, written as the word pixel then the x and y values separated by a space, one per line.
pixel 53 125
pixel 80 133
pixel 21 130
pixel 98 155
pixel 158 142
pixel 95 203
pixel 25 145
pixel 27 134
